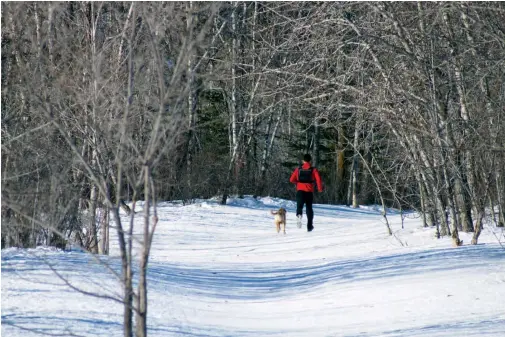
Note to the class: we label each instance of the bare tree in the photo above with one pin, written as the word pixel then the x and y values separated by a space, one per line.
pixel 102 102
pixel 97 119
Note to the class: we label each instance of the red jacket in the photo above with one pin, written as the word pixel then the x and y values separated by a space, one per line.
pixel 307 187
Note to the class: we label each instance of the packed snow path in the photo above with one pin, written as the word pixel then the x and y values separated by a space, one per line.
pixel 224 271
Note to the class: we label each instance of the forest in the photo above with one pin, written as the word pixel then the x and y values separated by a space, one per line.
pixel 400 104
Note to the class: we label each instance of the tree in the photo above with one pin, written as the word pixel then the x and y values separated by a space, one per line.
pixel 109 128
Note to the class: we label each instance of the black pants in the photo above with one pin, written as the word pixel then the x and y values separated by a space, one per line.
pixel 306 198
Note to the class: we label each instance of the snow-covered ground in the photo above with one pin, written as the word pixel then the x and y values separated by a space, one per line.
pixel 224 271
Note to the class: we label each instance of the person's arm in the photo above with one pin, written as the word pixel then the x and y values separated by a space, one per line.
pixel 294 177
pixel 318 180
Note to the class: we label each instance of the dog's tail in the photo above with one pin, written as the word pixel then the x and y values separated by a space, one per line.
pixel 274 213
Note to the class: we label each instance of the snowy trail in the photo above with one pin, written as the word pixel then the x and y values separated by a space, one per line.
pixel 224 271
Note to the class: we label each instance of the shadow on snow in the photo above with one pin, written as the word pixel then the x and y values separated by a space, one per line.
pixel 246 281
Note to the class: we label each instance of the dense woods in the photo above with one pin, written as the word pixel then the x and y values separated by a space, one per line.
pixel 400 104
pixel 108 103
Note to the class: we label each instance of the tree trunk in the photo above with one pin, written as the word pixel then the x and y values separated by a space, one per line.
pixel 478 227
pixel 441 214
pixel 501 197
pixel 94 138
pixel 339 191
pixel 127 275
pixel 448 190
pixel 233 103
pixel 422 198
pixel 93 237
pixel 353 186
pixel 267 149
pixel 315 144
pixel 264 156
pixel 234 137
pixel 141 313
pixel 105 218
pixel 191 103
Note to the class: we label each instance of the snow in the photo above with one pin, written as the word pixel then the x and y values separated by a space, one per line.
pixel 224 271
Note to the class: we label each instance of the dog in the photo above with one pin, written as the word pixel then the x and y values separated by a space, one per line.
pixel 280 218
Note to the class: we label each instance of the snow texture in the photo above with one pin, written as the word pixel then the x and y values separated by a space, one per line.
pixel 224 271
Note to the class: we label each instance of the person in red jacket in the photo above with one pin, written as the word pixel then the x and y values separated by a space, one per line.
pixel 304 177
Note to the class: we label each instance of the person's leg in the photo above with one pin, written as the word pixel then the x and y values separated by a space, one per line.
pixel 309 198
pixel 299 208
pixel 300 200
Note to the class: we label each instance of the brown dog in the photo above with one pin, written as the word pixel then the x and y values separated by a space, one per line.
pixel 280 218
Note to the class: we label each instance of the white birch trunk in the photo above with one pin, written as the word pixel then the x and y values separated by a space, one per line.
pixel 94 140
pixel 355 166
pixel 233 103
pixel 191 99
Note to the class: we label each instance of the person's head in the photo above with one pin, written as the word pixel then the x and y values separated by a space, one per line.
pixel 307 158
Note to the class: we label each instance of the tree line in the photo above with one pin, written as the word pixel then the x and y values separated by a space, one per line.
pixel 400 104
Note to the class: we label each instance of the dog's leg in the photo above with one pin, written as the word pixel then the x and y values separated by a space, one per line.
pixel 278 225
pixel 284 227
